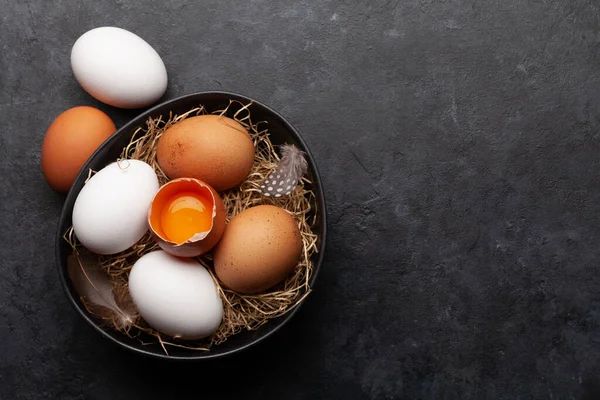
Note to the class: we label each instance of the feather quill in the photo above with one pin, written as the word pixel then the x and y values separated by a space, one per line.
pixel 101 298
pixel 287 174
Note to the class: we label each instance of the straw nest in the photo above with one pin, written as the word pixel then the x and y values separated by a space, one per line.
pixel 241 312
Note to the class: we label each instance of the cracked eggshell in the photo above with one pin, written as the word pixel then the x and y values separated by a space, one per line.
pixel 201 242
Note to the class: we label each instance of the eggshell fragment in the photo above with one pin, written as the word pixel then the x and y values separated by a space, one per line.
pixel 259 248
pixel 175 296
pixel 200 242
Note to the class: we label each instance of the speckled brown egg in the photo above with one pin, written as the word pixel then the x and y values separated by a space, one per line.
pixel 215 149
pixel 259 248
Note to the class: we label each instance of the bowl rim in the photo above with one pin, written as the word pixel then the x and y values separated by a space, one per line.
pixel 138 121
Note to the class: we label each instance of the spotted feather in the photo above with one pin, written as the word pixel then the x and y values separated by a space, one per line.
pixel 287 174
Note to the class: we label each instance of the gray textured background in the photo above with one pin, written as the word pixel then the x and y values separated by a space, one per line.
pixel 458 144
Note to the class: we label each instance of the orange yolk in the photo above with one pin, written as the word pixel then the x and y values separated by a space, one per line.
pixel 184 215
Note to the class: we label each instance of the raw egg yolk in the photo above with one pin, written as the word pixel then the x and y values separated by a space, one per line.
pixel 184 215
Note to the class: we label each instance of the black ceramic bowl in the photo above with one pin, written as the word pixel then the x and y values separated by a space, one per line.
pixel 281 132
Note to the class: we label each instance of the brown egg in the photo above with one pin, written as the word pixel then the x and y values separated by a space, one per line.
pixel 187 217
pixel 70 141
pixel 259 248
pixel 215 149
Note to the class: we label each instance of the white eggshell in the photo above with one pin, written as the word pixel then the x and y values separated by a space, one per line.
pixel 118 68
pixel 111 211
pixel 175 296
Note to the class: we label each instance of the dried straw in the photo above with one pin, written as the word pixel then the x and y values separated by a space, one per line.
pixel 241 312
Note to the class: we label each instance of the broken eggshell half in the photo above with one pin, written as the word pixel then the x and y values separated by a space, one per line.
pixel 187 217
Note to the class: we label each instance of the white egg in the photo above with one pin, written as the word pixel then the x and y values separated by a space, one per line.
pixel 111 211
pixel 118 68
pixel 176 296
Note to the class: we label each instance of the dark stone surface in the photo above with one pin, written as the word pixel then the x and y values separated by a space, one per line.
pixel 458 143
